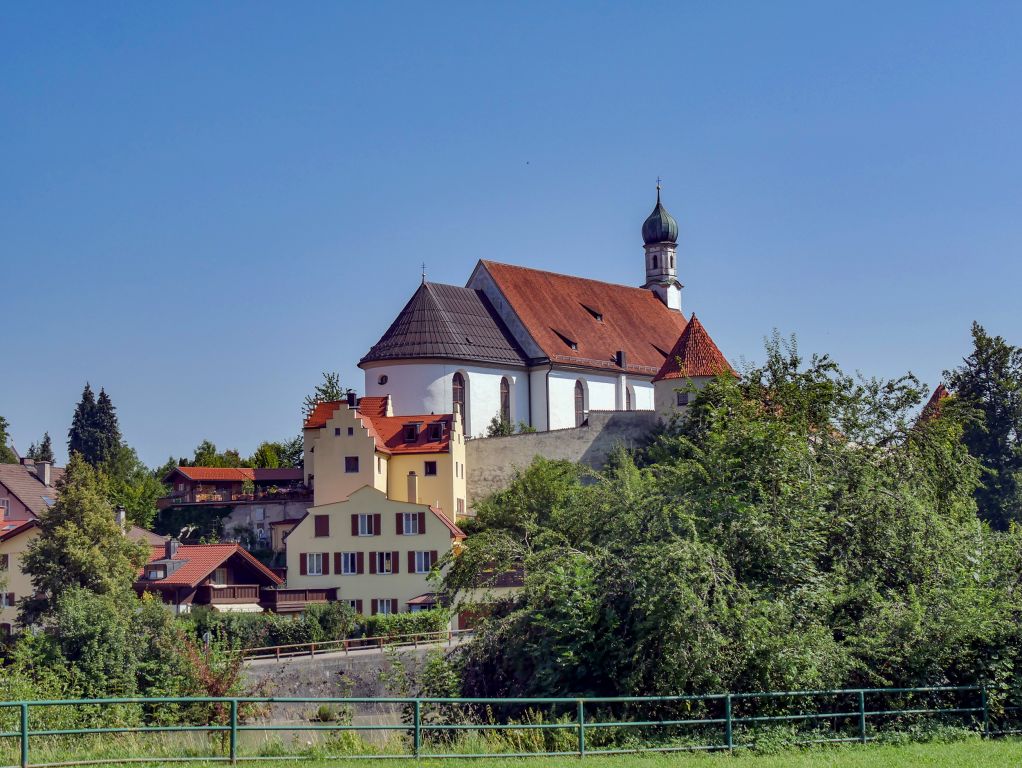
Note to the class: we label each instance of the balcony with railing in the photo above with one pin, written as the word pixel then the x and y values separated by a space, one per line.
pixel 224 496
pixel 226 594
pixel 283 600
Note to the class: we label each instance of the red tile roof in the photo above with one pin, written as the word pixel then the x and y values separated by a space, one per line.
pixel 388 431
pixel 321 413
pixel 456 532
pixel 934 405
pixel 238 474
pixel 632 320
pixel 200 560
pixel 694 354
pixel 373 406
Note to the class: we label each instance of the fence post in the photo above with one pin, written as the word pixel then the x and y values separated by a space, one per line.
pixel 417 731
pixel 24 734
pixel 312 649
pixel 986 711
pixel 581 714
pixel 234 731
pixel 862 717
pixel 728 731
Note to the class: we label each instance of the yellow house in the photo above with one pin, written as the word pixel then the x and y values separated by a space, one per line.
pixel 418 459
pixel 377 551
pixel 14 584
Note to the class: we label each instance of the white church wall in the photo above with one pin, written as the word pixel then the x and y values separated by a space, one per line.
pixel 600 394
pixel 537 394
pixel 426 387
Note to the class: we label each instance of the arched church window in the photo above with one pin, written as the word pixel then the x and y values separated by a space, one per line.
pixel 628 398
pixel 505 400
pixel 580 404
pixel 458 388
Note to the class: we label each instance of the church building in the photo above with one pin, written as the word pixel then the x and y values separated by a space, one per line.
pixel 535 347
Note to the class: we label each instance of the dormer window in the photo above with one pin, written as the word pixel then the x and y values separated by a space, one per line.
pixel 436 431
pixel 155 572
pixel 572 344
pixel 411 432
pixel 597 315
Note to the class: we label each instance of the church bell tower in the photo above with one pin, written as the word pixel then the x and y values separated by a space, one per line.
pixel 660 241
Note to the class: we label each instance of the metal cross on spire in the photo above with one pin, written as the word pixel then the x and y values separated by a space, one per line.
pixel 658 189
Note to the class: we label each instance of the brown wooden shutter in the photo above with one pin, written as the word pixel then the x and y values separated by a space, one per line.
pixel 376 606
pixel 372 564
pixel 326 563
pixel 10 599
pixel 338 563
pixel 303 564
pixel 399 519
pixel 411 562
pixel 432 558
pixel 377 525
pixel 422 522
pixel 360 562
pixel 358 606
pixel 395 562
pixel 354 525
pixel 322 523
pixel 393 605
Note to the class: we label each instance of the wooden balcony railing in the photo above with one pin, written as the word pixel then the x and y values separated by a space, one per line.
pixel 212 594
pixel 295 599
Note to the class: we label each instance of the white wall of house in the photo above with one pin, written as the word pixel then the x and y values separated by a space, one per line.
pixel 426 387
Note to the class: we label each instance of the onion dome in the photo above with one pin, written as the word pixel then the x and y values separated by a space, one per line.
pixel 659 226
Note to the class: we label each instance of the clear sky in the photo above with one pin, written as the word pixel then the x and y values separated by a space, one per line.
pixel 204 205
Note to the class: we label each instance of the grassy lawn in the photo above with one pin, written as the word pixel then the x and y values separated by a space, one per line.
pixel 962 754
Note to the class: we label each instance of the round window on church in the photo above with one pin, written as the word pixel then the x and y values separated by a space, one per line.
pixel 382 380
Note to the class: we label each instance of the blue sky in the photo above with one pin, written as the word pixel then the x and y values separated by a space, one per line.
pixel 205 205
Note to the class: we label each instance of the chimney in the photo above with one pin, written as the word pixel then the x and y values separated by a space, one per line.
pixel 121 516
pixel 621 359
pixel 413 488
pixel 26 462
pixel 352 399
pixel 170 548
pixel 44 471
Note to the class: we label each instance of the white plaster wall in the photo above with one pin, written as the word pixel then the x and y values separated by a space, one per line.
pixel 601 395
pixel 537 393
pixel 425 387
pixel 645 396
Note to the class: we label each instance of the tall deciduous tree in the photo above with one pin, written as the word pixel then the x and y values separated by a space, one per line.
pixel 989 381
pixel 329 389
pixel 7 454
pixel 79 544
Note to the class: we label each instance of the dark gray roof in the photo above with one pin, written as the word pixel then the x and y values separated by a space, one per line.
pixel 447 321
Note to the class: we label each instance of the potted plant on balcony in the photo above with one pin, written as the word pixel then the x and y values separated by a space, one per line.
pixel 248 489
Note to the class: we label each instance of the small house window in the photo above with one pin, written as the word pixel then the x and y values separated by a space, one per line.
pixel 219 577
pixel 382 379
pixel 349 563
pixel 351 464
pixel 384 562
pixel 411 433
pixel 436 431
pixel 337 431
pixel 410 523
pixel 423 562
pixel 154 574
pixel 386 605
pixel 683 398
pixel 315 564
pixel 365 525
pixel 430 468
pixel 351 431
pixel 461 508
pixel 379 465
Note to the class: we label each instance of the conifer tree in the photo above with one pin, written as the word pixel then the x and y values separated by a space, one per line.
pixel 990 382
pixel 107 429
pixel 7 454
pixel 329 390
pixel 43 451
pixel 81 438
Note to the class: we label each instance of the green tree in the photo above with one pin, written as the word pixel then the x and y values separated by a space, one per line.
pixel 207 455
pixel 266 456
pixel 43 451
pixel 796 530
pixel 132 485
pixel 94 429
pixel 7 454
pixel 989 381
pixel 330 389
pixel 79 545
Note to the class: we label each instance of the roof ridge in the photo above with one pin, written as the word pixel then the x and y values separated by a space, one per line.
pixel 562 274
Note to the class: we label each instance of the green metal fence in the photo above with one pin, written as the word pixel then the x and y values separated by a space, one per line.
pixel 430 727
